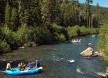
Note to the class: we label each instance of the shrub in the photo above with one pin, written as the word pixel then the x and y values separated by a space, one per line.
pixel 103 41
pixel 42 35
pixel 23 36
pixel 4 47
pixel 57 32
pixel 72 31
pixel 61 37
pixel 8 35
pixel 85 30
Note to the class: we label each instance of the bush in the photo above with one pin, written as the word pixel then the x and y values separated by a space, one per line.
pixel 56 28
pixel 23 35
pixel 18 38
pixel 8 35
pixel 103 41
pixel 42 35
pixel 4 47
pixel 61 37
pixel 72 31
pixel 57 32
pixel 85 30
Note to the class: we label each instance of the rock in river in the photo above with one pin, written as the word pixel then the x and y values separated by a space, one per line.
pixel 87 52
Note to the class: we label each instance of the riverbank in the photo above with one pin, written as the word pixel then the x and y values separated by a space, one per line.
pixel 103 42
pixel 24 36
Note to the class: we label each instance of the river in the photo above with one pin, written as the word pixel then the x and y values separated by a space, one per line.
pixel 54 59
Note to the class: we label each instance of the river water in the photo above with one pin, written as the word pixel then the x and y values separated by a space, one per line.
pixel 54 60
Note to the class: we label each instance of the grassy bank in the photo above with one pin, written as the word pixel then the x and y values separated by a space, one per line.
pixel 81 31
pixel 103 41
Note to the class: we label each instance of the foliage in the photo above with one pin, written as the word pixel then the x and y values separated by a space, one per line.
pixel 103 41
pixel 43 35
pixel 80 31
pixel 7 14
pixel 23 34
pixel 61 37
pixel 57 32
pixel 69 13
pixel 50 11
pixel 16 39
pixel 7 34
pixel 2 11
pixel 47 21
pixel 14 13
pixel 85 31
pixel 72 31
pixel 4 47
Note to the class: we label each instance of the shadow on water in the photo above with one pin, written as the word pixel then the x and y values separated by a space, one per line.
pixel 55 60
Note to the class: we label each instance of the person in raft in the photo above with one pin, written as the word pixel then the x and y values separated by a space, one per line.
pixel 8 66
pixel 37 64
pixel 29 65
pixel 21 66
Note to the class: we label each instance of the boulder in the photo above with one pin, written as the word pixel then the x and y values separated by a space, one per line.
pixel 96 53
pixel 22 47
pixel 87 52
pixel 32 44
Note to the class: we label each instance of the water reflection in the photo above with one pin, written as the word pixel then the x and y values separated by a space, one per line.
pixel 22 76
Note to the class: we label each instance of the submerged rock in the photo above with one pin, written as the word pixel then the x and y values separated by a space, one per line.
pixel 90 44
pixel 71 61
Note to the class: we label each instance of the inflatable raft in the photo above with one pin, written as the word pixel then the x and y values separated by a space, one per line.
pixel 16 71
pixel 76 41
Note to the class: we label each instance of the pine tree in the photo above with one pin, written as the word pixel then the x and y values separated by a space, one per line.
pixel 88 10
pixel 2 11
pixel 50 11
pixel 7 14
pixel 14 19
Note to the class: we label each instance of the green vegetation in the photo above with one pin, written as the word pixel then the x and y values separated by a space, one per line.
pixel 81 31
pixel 103 41
pixel 46 21
pixel 4 47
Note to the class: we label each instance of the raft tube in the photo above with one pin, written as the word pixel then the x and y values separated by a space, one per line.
pixel 16 71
